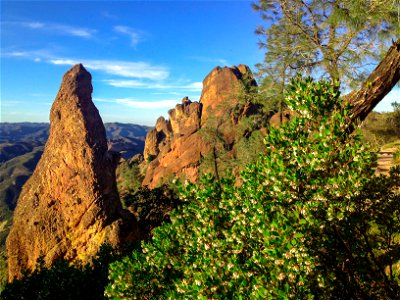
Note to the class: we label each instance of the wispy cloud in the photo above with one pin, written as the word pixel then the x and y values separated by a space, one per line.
pixel 33 25
pixel 134 103
pixel 168 93
pixel 195 86
pixel 9 103
pixel 134 35
pixel 14 54
pixel 29 54
pixel 119 68
pixel 103 100
pixel 61 29
pixel 126 83
pixel 221 61
pixel 146 104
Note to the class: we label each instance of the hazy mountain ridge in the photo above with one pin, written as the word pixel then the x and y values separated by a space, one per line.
pixel 24 132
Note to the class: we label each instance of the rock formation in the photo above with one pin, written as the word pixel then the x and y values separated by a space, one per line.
pixel 175 147
pixel 221 87
pixel 70 205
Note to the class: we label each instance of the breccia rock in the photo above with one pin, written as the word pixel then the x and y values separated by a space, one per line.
pixel 175 147
pixel 70 205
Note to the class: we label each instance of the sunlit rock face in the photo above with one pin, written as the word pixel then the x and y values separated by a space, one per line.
pixel 220 89
pixel 175 147
pixel 70 205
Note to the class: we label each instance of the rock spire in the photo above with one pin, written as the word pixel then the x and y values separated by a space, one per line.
pixel 70 205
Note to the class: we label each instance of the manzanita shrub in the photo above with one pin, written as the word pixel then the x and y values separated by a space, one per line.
pixel 310 220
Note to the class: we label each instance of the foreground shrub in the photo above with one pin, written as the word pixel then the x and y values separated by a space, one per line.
pixel 151 207
pixel 310 221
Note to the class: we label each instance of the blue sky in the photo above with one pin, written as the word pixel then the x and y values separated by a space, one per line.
pixel 144 56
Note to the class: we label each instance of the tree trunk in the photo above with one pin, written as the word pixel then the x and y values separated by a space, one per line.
pixel 381 81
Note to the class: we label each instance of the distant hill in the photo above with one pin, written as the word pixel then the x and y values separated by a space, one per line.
pixel 19 138
pixel 128 139
pixel 13 174
pixel 129 131
pixel 24 132
pixel 9 150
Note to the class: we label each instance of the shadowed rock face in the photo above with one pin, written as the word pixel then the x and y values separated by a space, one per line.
pixel 176 146
pixel 70 205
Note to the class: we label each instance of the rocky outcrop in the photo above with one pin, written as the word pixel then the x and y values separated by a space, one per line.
pixel 70 205
pixel 185 118
pixel 221 88
pixel 175 147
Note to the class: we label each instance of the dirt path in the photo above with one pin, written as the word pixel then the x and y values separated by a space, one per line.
pixel 385 161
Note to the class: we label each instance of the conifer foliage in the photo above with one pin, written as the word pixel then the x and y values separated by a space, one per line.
pixel 338 40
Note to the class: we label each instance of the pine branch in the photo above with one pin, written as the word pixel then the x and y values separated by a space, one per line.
pixel 315 26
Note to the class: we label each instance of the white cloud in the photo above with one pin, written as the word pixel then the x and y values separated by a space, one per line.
pixel 119 68
pixel 195 86
pixel 169 93
pixel 103 100
pixel 15 54
pixel 33 25
pixel 220 61
pixel 128 69
pixel 133 34
pixel 146 104
pixel 33 55
pixel 126 83
pixel 60 29
pixel 139 103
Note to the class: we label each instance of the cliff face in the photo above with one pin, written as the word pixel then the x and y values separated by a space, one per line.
pixel 175 147
pixel 70 205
